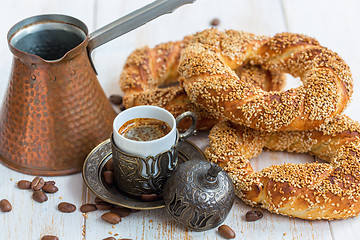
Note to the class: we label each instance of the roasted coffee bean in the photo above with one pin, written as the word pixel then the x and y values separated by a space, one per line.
pixel 253 215
pixel 104 206
pixel 122 108
pixel 116 99
pixel 111 218
pixel 24 184
pixel 5 205
pixel 99 200
pixel 37 183
pixel 122 212
pixel 226 232
pixel 85 208
pixel 66 207
pixel 49 188
pixel 49 237
pixel 108 177
pixel 39 196
pixel 215 22
pixel 49 183
pixel 109 166
pixel 149 197
pixel 109 238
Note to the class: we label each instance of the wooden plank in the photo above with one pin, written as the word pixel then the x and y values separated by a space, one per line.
pixel 29 219
pixel 335 25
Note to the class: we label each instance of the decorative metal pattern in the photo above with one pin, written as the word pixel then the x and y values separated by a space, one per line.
pixel 137 175
pixel 94 165
pixel 196 198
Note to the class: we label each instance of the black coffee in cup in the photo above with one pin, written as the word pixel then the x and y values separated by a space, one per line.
pixel 144 129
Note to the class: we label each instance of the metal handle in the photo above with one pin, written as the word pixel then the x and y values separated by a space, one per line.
pixel 132 21
pixel 192 130
pixel 212 173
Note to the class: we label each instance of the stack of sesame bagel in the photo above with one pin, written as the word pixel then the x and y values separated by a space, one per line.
pixel 233 81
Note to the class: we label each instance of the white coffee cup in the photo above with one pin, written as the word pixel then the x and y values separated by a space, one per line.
pixel 145 148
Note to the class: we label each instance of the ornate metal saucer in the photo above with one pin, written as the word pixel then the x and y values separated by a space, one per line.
pixel 98 157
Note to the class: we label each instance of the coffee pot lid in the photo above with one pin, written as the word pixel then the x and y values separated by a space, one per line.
pixel 199 194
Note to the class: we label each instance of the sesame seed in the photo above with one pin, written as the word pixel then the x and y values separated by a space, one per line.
pixel 297 190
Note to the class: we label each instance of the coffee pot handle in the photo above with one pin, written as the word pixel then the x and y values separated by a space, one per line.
pixel 192 130
pixel 132 21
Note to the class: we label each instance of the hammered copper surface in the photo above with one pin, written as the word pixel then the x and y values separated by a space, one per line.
pixel 53 113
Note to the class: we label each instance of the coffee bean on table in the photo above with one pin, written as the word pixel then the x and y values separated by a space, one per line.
pixel 5 205
pixel 85 208
pixel 24 184
pixel 98 200
pixel 104 206
pixel 215 22
pixel 111 218
pixel 149 197
pixel 253 215
pixel 49 237
pixel 39 196
pixel 49 183
pixel 108 177
pixel 122 108
pixel 66 207
pixel 109 238
pixel 49 188
pixel 116 99
pixel 122 212
pixel 109 166
pixel 37 183
pixel 226 232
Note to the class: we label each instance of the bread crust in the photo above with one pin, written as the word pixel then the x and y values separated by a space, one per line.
pixel 207 64
pixel 150 77
pixel 309 191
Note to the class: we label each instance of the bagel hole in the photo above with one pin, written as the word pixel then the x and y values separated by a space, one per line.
pixel 269 158
pixel 292 82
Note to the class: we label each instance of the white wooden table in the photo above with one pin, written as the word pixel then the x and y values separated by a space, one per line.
pixel 334 24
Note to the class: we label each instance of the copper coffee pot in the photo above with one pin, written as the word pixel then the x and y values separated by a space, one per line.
pixel 55 111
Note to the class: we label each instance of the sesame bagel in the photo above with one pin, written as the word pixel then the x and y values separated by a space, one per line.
pixel 309 191
pixel 150 77
pixel 207 65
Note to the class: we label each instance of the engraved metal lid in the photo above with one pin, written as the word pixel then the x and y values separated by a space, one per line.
pixel 199 194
